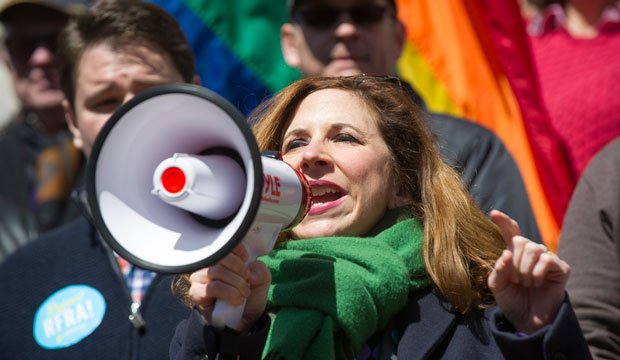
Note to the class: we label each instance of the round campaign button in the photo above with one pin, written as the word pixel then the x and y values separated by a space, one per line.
pixel 68 316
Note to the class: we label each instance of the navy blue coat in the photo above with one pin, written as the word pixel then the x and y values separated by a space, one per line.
pixel 73 257
pixel 427 330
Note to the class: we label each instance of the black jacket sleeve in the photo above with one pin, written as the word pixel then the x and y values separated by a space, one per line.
pixel 194 338
pixel 560 340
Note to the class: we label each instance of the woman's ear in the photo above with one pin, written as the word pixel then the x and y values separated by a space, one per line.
pixel 399 198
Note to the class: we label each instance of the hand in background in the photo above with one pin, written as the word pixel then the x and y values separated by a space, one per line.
pixel 528 281
pixel 232 280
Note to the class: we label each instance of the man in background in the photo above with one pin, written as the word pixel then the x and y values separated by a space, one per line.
pixel 67 295
pixel 352 37
pixel 39 164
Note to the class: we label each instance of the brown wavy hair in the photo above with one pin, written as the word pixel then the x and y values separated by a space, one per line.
pixel 119 23
pixel 461 244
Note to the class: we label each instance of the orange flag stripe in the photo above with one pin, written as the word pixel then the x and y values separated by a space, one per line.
pixel 455 46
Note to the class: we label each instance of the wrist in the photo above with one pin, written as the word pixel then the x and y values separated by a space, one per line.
pixel 234 344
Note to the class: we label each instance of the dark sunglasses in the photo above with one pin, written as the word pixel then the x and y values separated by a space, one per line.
pixel 324 16
pixel 21 47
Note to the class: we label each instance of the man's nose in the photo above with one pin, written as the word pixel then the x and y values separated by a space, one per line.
pixel 345 26
pixel 42 55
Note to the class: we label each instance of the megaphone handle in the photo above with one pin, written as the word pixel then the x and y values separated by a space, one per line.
pixel 258 242
pixel 226 315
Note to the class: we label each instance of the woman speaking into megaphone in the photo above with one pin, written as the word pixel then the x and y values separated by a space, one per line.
pixel 394 257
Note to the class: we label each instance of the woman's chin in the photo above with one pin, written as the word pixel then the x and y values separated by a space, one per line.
pixel 319 228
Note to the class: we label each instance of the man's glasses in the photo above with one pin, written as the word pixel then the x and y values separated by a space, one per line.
pixel 21 47
pixel 324 16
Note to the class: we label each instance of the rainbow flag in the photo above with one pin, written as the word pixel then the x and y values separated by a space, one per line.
pixel 236 44
pixel 469 58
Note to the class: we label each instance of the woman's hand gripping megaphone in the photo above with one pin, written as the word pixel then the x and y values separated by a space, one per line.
pixel 209 186
pixel 209 183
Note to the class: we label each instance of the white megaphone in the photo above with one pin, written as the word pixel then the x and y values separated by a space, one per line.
pixel 175 181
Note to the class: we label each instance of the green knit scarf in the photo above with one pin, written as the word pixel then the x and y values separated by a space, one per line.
pixel 330 295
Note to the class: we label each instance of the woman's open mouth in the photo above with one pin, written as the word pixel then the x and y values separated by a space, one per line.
pixel 325 195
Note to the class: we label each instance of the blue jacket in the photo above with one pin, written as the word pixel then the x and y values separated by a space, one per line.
pixel 426 329
pixel 63 297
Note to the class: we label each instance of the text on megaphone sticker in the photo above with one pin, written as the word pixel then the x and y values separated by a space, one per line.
pixel 271 186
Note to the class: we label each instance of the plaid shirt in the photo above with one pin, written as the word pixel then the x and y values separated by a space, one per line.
pixel 138 280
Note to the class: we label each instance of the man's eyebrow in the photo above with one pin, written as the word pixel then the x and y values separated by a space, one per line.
pixel 109 86
pixel 149 81
pixel 100 90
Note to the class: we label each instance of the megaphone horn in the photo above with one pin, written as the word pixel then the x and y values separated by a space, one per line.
pixel 175 181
